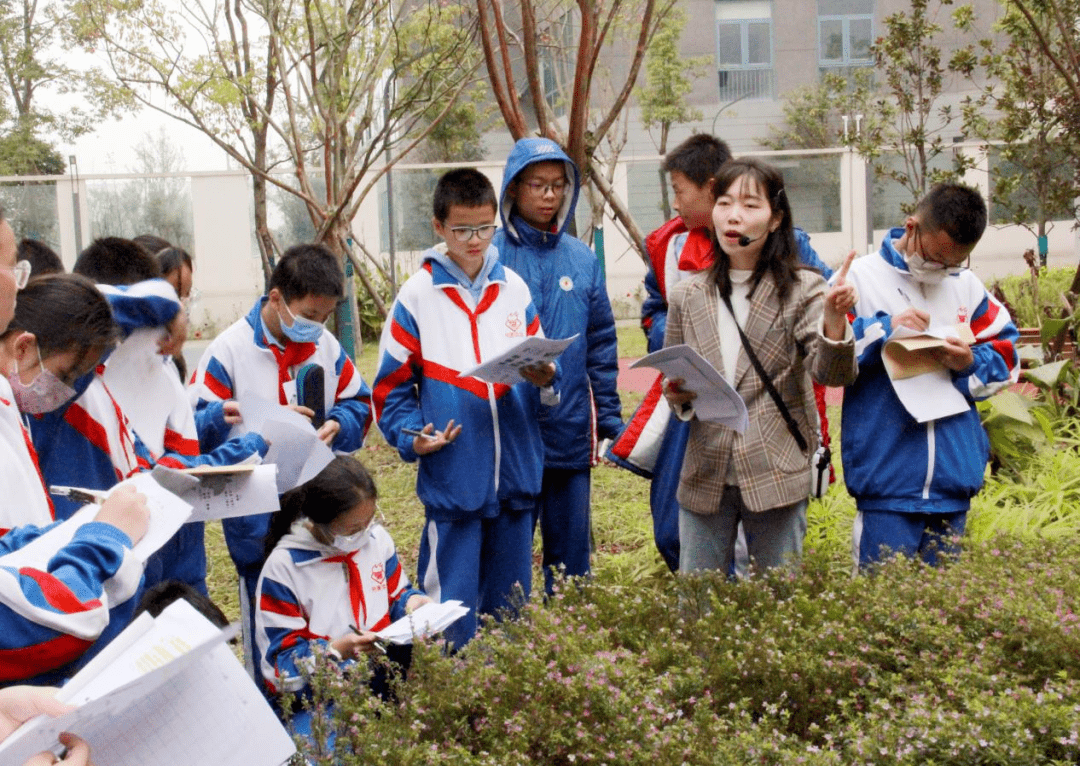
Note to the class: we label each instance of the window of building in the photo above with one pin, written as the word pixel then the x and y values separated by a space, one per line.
pixel 845 33
pixel 744 49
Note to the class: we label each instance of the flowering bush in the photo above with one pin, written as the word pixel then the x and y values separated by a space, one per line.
pixel 974 663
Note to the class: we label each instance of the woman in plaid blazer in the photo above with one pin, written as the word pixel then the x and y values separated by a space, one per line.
pixel 797 328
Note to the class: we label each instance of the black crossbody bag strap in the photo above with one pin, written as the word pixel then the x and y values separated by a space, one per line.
pixel 792 426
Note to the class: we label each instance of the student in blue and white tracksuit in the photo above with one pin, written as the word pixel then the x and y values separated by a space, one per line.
pixel 913 482
pixel 60 606
pixel 480 468
pixel 539 194
pixel 260 355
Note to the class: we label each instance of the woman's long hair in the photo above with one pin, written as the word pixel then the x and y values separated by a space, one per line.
pixel 334 491
pixel 779 254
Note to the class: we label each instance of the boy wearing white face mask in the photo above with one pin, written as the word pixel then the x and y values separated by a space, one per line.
pixel 913 482
pixel 261 355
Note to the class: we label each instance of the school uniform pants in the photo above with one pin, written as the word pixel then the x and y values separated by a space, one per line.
pixel 933 537
pixel 486 563
pixel 563 514
pixel 773 537
pixel 663 489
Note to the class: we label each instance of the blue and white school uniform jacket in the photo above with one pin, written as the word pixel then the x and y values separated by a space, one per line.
pixel 310 593
pixel 568 290
pixel 20 476
pixel 239 361
pixel 891 461
pixel 435 330
pixel 52 616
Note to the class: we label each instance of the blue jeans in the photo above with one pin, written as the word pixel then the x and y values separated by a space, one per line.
pixel 773 537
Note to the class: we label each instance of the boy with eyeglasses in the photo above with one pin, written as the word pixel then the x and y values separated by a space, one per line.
pixel 539 195
pixel 478 443
pixel 261 355
pixel 913 481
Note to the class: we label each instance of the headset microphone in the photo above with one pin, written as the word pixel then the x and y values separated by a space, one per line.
pixel 745 240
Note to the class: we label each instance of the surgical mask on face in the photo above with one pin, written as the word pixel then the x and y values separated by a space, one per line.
pixel 302 329
pixel 44 393
pixel 926 272
pixel 350 542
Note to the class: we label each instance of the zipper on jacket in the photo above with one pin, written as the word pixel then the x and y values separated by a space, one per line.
pixel 930 459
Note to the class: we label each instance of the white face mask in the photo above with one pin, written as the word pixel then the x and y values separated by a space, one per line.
pixel 351 542
pixel 926 272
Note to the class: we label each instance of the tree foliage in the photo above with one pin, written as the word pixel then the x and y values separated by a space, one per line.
pixel 547 36
pixel 913 119
pixel 1035 180
pixel 309 97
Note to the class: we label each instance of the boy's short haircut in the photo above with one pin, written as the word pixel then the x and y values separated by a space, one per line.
pixel 308 269
pixel 698 158
pixel 173 259
pixel 467 187
pixel 956 209
pixel 116 261
pixel 43 259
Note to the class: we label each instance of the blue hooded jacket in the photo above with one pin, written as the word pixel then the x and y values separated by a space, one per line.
pixel 568 290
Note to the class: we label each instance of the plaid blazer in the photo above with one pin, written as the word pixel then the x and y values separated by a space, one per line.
pixel 770 469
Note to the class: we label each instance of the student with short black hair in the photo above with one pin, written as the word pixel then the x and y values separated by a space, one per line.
pixel 480 451
pixel 260 355
pixel 42 258
pixel 913 481
pixel 116 261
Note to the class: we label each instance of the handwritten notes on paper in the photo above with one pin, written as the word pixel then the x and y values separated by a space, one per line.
pixel 427 620
pixel 506 367
pixel 717 401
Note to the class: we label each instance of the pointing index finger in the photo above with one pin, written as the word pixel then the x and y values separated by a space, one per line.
pixel 842 273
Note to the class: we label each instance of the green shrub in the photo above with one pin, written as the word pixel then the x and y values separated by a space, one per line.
pixel 974 663
pixel 1030 298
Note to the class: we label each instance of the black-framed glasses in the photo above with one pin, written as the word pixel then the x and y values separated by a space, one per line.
pixel 934 261
pixel 465 233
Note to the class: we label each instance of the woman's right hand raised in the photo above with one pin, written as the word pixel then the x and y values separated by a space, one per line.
pixel 125 508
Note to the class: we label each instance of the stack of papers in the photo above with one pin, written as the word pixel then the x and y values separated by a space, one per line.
pixel 167 691
pixel 717 401
pixel 924 385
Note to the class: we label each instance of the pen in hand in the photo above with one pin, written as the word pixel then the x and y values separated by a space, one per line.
pixel 376 643
pixel 414 432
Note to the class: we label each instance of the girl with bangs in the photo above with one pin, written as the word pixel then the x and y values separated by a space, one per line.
pixel 768 326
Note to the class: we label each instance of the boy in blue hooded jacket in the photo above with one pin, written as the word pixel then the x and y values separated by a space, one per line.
pixel 539 193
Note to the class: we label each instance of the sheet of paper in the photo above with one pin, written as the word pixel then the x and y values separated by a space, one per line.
pixel 186 706
pixel 930 396
pixel 506 367
pixel 427 620
pixel 167 514
pixel 717 401
pixel 908 352
pixel 221 492
pixel 138 379
pixel 294 447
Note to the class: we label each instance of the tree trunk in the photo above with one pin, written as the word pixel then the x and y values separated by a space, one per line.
pixel 622 215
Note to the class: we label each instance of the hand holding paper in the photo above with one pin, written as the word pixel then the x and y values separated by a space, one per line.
pixel 714 399
pixel 507 367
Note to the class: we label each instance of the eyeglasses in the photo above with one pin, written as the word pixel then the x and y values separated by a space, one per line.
pixel 21 272
pixel 465 233
pixel 540 188
pixel 934 261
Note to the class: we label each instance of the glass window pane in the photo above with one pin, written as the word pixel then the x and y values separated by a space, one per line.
pixel 729 44
pixel 861 38
pixel 759 48
pixel 845 7
pixel 832 39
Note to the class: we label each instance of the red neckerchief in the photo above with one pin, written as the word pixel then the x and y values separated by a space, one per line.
pixel 356 586
pixel 697 253
pixel 293 354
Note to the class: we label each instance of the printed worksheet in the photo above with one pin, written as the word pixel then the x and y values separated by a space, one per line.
pixel 221 492
pixel 167 691
pixel 717 401
pixel 294 448
pixel 506 367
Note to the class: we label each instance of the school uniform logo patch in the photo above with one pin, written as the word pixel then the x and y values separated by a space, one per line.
pixel 514 325
pixel 566 283
pixel 378 576
pixel 962 315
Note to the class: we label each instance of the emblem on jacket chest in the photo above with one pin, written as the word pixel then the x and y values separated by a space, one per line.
pixel 515 325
